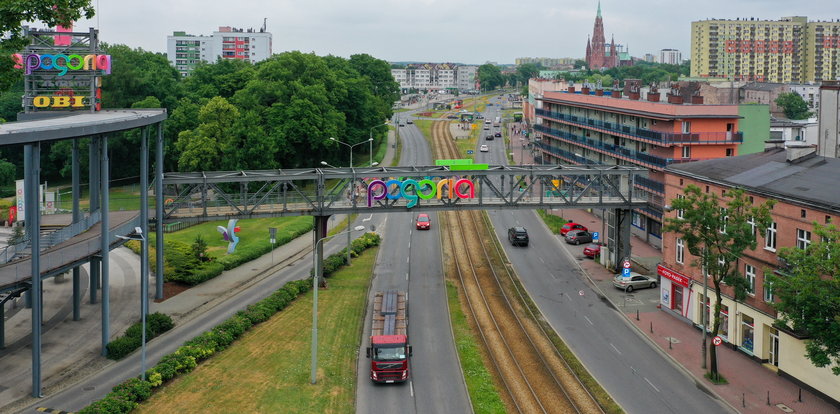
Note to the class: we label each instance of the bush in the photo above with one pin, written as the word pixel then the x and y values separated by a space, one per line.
pixel 134 389
pixel 111 404
pixel 156 324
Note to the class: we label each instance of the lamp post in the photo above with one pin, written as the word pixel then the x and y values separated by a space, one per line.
pixel 144 292
pixel 370 164
pixel 349 187
pixel 315 258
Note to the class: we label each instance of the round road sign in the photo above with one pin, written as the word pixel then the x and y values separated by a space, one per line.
pixel 626 264
pixel 717 341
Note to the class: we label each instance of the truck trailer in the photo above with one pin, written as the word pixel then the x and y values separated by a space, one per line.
pixel 389 349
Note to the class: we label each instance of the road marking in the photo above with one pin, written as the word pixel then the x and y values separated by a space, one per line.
pixel 555 277
pixel 409 244
pixel 587 319
pixel 411 386
pixel 406 275
pixel 616 349
pixel 541 259
pixel 368 219
pixel 651 384
pixel 406 259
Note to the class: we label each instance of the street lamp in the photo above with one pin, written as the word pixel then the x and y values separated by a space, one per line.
pixel 316 258
pixel 349 187
pixel 371 142
pixel 144 291
pixel 328 165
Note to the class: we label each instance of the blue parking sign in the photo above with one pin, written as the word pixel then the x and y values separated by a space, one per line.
pixel 595 236
pixel 625 272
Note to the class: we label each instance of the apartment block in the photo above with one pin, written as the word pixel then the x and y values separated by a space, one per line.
pixel 436 76
pixel 185 51
pixel 789 50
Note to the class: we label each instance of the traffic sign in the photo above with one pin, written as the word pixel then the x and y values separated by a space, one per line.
pixel 717 341
pixel 470 152
pixel 625 272
pixel 626 264
pixel 595 236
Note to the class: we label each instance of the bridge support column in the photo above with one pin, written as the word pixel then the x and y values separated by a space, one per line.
pixel 32 175
pixel 104 236
pixel 93 181
pixel 622 220
pixel 144 219
pixel 159 212
pixel 320 233
pixel 77 215
pixel 3 325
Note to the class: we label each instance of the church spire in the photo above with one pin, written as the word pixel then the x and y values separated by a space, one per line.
pixel 599 8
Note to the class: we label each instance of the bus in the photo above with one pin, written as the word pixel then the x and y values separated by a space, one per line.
pixel 497 122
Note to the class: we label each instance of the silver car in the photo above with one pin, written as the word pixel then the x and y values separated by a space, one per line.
pixel 635 281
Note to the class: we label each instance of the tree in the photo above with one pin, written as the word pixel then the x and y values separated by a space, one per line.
pixel 527 71
pixel 716 232
pixel 793 105
pixel 490 76
pixel 13 13
pixel 199 249
pixel 204 148
pixel 808 292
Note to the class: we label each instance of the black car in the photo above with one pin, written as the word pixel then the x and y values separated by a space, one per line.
pixel 498 134
pixel 518 236
pixel 489 137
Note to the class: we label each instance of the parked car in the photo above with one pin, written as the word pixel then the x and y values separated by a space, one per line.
pixel 484 148
pixel 578 237
pixel 486 127
pixel 592 250
pixel 635 281
pixel 487 121
pixel 423 222
pixel 518 236
pixel 571 226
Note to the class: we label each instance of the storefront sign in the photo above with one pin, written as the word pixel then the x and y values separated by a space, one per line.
pixel 61 62
pixel 413 190
pixel 673 275
pixel 59 101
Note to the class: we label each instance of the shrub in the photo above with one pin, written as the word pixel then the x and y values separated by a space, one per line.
pixel 156 324
pixel 134 389
pixel 111 404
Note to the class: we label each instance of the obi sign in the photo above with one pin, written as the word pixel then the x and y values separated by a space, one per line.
pixel 413 190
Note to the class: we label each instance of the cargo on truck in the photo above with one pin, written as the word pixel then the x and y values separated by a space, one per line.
pixel 389 349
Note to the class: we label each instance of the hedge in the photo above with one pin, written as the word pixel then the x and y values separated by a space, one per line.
pixel 127 395
pixel 357 246
pixel 156 324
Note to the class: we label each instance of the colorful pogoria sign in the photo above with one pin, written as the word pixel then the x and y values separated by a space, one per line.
pixel 414 190
pixel 61 62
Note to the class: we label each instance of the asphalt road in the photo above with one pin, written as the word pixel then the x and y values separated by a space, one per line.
pixel 411 260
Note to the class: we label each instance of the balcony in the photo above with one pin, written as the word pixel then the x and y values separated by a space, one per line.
pixel 661 138
pixel 649 184
pixel 609 149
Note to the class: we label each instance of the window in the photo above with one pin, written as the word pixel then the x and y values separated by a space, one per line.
pixel 749 273
pixel 768 291
pixel 680 251
pixel 770 237
pixel 802 213
pixel 686 152
pixel 724 220
pixel 803 239
pixel 686 127
pixel 751 222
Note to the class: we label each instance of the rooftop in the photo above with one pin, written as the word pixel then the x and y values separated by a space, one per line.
pixel 810 179
pixel 641 107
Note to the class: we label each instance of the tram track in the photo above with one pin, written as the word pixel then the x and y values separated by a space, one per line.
pixel 532 374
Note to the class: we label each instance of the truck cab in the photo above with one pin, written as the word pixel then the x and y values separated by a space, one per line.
pixel 389 358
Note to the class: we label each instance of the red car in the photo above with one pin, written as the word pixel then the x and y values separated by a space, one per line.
pixel 423 222
pixel 572 226
pixel 592 250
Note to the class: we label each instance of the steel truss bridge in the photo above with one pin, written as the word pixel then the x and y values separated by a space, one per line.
pixel 205 196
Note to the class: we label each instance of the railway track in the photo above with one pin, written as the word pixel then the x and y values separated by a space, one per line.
pixel 534 377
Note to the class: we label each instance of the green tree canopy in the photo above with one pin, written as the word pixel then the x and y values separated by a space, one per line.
pixel 137 74
pixel 793 105
pixel 490 77
pixel 808 292
pixel 716 231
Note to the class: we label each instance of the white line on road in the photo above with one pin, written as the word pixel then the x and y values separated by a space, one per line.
pixel 406 275
pixel 541 259
pixel 411 386
pixel 651 384
pixel 616 349
pixel 409 245
pixel 368 219
pixel 587 319
pixel 553 276
pixel 406 259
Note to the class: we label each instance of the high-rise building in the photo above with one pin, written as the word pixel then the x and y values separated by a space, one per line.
pixel 789 50
pixel 546 62
pixel 670 56
pixel 185 51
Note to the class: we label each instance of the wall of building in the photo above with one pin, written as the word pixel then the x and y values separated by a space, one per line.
pixel 829 127
pixel 755 125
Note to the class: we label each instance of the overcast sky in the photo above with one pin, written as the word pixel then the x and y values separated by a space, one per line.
pixel 466 31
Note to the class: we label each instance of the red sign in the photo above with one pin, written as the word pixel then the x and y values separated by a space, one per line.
pixel 717 341
pixel 626 264
pixel 673 275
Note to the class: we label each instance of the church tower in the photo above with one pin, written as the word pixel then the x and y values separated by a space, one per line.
pixel 596 59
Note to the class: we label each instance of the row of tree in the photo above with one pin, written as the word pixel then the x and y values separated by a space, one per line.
pixel 278 113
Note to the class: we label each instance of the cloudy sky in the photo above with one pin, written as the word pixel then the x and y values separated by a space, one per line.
pixel 466 31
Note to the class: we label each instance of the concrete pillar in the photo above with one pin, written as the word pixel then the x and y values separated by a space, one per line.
pixel 93 185
pixel 105 238
pixel 144 214
pixel 159 212
pixel 77 216
pixel 32 172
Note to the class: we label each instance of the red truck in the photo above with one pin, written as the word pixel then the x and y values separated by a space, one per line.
pixel 389 350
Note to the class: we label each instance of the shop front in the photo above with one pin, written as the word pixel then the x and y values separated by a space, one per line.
pixel 675 293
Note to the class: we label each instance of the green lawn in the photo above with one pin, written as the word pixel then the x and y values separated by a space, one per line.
pixel 268 369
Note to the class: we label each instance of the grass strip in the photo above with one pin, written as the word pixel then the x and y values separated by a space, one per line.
pixel 480 386
pixel 554 223
pixel 268 369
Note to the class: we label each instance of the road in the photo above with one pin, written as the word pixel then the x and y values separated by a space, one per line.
pixel 411 260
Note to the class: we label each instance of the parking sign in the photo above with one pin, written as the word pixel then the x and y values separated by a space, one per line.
pixel 595 236
pixel 625 272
